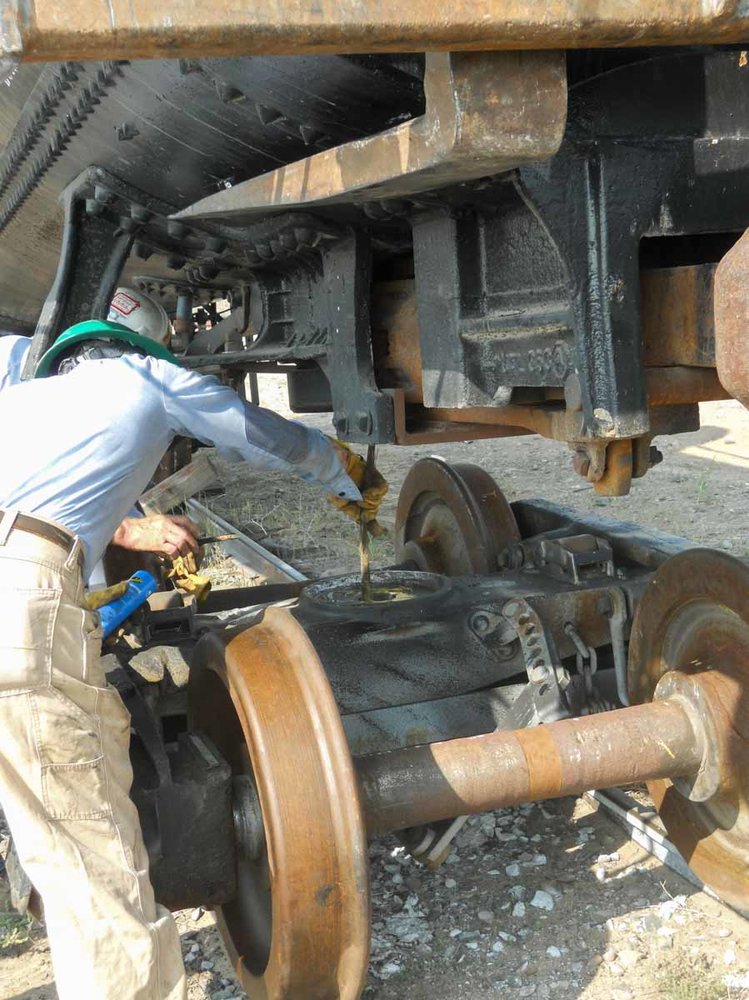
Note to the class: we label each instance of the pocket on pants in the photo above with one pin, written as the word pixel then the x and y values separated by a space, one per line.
pixel 70 751
pixel 77 643
pixel 27 621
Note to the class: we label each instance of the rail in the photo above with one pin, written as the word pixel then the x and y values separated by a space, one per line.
pixel 244 549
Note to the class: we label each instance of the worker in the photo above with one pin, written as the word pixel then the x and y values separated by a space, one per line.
pixel 118 400
pixel 165 534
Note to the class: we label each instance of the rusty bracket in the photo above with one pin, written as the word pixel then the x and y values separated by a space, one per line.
pixel 612 465
pixel 547 679
pixel 486 112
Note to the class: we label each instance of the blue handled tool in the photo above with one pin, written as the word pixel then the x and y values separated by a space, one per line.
pixel 140 586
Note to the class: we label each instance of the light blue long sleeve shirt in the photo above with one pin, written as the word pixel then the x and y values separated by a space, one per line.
pixel 80 448
pixel 13 351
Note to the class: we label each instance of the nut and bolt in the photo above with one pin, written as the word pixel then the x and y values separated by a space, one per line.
pixel 480 623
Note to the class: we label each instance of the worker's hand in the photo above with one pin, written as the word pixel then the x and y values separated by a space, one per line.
pixel 168 535
pixel 372 486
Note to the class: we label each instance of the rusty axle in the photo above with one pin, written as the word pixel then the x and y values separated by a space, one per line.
pixel 424 784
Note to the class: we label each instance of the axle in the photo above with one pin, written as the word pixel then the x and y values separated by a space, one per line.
pixel 423 784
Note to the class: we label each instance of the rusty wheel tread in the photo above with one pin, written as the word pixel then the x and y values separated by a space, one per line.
pixel 269 680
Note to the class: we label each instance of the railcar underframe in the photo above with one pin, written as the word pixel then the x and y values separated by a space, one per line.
pixel 487 222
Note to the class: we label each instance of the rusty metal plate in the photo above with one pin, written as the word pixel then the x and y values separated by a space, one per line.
pixel 485 112
pixel 694 618
pixel 678 327
pixel 129 29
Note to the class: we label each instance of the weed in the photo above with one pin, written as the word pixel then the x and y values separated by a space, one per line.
pixel 703 482
pixel 15 930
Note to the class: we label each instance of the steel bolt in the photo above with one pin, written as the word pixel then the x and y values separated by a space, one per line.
pixel 125 131
pixel 103 195
pixel 139 212
pixel 480 623
pixel 142 251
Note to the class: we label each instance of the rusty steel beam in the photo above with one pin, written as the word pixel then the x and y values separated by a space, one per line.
pixel 48 30
pixel 485 112
pixel 679 384
pixel 672 386
pixel 423 784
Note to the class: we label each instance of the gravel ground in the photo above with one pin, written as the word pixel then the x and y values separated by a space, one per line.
pixel 548 900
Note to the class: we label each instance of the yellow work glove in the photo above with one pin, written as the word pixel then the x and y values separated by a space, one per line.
pixel 373 491
pixel 98 598
pixel 184 573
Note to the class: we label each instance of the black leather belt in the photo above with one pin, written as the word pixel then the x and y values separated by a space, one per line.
pixel 49 532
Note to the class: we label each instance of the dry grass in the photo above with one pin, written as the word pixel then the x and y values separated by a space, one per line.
pixel 296 522
pixel 690 977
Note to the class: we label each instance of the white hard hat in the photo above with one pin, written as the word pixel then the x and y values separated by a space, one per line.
pixel 141 313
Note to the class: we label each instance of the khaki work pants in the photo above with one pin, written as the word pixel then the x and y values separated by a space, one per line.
pixel 64 781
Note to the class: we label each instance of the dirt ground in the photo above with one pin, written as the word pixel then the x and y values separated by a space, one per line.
pixel 548 900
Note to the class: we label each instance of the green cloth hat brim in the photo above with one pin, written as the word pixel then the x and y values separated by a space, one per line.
pixel 100 329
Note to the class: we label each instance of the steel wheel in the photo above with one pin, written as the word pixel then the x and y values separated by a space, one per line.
pixel 694 619
pixel 298 928
pixel 452 519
